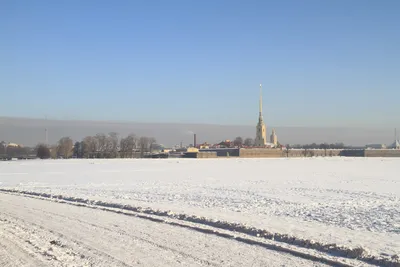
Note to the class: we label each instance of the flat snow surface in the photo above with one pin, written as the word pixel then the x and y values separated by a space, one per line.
pixel 346 201
pixel 41 233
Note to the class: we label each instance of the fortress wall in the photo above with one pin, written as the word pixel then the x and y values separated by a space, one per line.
pixel 352 153
pixel 206 155
pixel 382 153
pixel 261 153
pixel 297 153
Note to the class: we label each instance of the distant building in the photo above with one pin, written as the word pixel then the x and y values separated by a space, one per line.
pixel 261 129
pixel 156 148
pixel 192 150
pixel 395 145
pixel 274 138
pixel 375 146
pixel 14 145
pixel 205 145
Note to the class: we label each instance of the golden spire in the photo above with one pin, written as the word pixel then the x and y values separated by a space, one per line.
pixel 260 100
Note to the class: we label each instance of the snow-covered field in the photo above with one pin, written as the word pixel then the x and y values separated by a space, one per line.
pixel 350 202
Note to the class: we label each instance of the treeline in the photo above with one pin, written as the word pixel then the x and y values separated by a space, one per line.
pixel 240 142
pixel 15 151
pixel 237 142
pixel 99 146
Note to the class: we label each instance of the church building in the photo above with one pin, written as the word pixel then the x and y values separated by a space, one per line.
pixel 261 129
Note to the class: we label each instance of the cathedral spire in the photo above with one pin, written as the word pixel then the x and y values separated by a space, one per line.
pixel 261 131
pixel 260 100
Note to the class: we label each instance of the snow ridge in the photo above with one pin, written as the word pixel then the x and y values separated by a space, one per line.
pixel 358 253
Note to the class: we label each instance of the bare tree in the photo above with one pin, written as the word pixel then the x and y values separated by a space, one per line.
pixel 132 143
pixel 65 147
pixel 84 149
pixel 128 145
pixel 143 144
pixel 101 141
pixel 90 148
pixel 112 145
pixel 248 142
pixel 238 141
pixel 42 151
pixel 77 150
pixel 123 148
pixel 152 142
pixel 3 147
pixel 80 150
pixel 53 151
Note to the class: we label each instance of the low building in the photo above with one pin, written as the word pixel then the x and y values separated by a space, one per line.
pixel 395 145
pixel 375 146
pixel 192 150
pixel 204 146
pixel 14 145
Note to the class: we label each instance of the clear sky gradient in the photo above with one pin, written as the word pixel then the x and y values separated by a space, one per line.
pixel 321 63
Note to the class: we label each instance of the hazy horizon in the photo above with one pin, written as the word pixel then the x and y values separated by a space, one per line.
pixel 30 131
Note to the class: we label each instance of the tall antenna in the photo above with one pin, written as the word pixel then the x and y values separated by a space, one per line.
pixel 395 134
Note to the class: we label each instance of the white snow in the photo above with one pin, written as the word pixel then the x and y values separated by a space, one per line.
pixel 347 201
pixel 42 233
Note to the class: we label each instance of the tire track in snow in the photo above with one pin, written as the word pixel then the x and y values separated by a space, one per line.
pixel 30 240
pixel 86 250
pixel 156 216
pixel 22 254
pixel 222 251
pixel 125 233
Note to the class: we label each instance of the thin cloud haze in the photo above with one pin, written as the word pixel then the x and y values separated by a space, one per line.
pixel 31 131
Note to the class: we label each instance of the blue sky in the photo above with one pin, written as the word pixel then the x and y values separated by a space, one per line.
pixel 321 63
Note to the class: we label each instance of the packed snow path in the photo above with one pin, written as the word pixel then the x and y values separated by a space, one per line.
pixel 36 232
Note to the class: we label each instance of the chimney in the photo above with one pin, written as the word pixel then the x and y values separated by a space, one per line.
pixel 194 140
